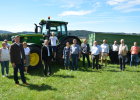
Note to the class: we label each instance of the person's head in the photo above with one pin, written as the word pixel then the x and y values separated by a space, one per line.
pixel 46 42
pixel 95 43
pixel 24 44
pixel 67 44
pixel 115 42
pixel 5 41
pixel 85 41
pixel 17 39
pixel 104 41
pixel 135 43
pixel 74 41
pixel 3 44
pixel 122 41
pixel 52 34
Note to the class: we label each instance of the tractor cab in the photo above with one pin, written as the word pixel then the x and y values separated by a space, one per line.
pixel 49 26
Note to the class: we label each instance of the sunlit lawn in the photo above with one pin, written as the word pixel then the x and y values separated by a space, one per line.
pixel 109 83
pixel 86 84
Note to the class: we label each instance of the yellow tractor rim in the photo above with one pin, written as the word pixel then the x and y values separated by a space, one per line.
pixel 34 59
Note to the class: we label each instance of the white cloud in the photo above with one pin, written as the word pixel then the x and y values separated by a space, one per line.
pixel 76 13
pixel 115 2
pixel 125 5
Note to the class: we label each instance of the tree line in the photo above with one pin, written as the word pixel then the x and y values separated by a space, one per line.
pixel 7 36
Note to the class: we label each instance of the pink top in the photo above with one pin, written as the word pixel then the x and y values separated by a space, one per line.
pixel 134 50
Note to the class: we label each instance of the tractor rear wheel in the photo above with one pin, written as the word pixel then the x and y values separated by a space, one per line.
pixel 35 57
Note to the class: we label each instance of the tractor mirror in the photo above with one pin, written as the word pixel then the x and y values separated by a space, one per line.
pixel 36 28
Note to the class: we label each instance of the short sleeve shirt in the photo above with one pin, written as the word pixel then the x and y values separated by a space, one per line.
pixel 53 40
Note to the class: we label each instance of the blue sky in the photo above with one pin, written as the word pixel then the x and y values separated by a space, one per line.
pixel 92 15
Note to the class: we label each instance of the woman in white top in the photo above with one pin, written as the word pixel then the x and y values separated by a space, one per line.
pixel 27 57
pixel 4 58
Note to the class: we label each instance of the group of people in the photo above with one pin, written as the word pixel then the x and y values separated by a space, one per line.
pixel 18 53
pixel 99 52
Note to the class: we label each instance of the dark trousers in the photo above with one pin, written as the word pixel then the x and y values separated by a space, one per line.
pixel 134 59
pixel 95 61
pixel 115 57
pixel 67 62
pixel 19 67
pixel 4 64
pixel 47 68
pixel 87 57
pixel 122 62
pixel 74 61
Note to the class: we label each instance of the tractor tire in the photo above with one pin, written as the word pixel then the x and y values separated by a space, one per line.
pixel 35 57
pixel 61 46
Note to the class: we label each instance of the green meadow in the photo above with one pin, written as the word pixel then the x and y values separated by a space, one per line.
pixel 85 84
pixel 108 83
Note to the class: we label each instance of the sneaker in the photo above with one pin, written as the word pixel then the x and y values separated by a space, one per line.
pixel 6 75
pixel 17 84
pixel 3 75
pixel 26 84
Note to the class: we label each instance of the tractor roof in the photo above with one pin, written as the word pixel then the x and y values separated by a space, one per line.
pixel 52 21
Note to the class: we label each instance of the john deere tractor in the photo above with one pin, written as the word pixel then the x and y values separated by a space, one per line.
pixel 42 32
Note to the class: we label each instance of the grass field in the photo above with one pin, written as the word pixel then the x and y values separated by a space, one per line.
pixel 86 84
pixel 108 83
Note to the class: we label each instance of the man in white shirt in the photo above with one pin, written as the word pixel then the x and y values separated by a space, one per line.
pixel 123 50
pixel 114 54
pixel 95 52
pixel 104 52
pixel 54 41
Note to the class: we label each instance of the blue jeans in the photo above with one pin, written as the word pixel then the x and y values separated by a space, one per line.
pixel 4 64
pixel 74 61
pixel 134 59
pixel 67 62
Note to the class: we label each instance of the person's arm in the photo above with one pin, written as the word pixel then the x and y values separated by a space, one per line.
pixel 79 52
pixel 63 53
pixel 42 53
pixel 12 57
pixel 126 48
pixel 57 40
pixel 100 51
pixel 23 53
pixel 108 50
pixel 89 49
pixel 131 49
pixel 0 54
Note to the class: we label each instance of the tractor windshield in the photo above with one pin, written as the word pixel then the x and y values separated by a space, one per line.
pixel 58 28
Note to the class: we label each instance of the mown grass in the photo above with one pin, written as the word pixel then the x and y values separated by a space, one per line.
pixel 86 84
pixel 108 83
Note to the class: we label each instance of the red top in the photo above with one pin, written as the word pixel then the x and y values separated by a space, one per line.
pixel 134 50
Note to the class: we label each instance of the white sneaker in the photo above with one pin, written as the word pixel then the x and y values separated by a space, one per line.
pixel 3 75
pixel 6 75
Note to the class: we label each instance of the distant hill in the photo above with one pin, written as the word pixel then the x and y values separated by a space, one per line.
pixel 3 31
pixel 85 33
pixel 80 33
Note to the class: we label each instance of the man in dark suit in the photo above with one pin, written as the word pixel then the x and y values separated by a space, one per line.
pixel 17 56
pixel 47 57
pixel 85 52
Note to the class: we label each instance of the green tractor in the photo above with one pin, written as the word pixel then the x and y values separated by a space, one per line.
pixel 42 32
